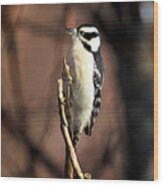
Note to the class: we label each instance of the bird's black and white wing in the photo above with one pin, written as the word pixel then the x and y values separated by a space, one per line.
pixel 98 79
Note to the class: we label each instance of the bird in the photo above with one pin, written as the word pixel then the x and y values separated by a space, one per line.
pixel 87 70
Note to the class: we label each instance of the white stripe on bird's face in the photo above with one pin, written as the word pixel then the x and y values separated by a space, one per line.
pixel 90 29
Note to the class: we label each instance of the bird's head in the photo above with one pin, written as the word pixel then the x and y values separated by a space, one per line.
pixel 88 35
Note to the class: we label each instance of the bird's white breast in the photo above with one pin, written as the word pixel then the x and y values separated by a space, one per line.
pixel 83 88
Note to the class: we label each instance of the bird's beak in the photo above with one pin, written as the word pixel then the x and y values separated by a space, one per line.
pixel 71 31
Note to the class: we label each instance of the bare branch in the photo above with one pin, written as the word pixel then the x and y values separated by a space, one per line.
pixel 64 98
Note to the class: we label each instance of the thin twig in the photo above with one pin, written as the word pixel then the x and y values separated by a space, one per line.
pixel 65 132
pixel 64 100
pixel 67 84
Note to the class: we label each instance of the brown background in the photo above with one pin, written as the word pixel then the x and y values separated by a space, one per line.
pixel 33 45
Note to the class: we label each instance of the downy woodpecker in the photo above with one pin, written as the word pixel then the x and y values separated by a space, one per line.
pixel 87 70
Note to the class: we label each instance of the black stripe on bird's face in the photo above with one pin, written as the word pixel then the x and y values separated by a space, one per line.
pixel 86 46
pixel 89 35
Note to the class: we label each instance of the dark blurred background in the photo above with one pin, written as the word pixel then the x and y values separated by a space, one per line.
pixel 34 43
